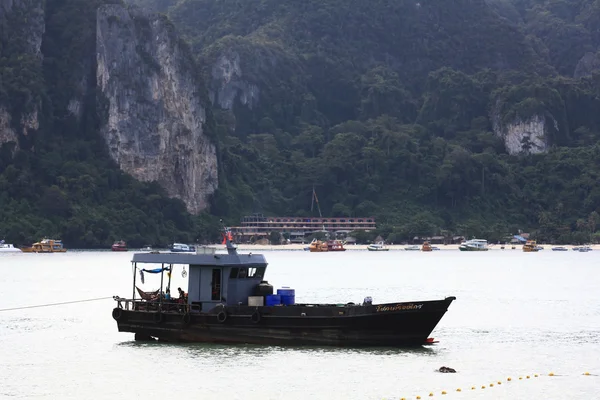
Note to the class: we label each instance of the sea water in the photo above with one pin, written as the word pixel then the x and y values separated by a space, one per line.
pixel 516 315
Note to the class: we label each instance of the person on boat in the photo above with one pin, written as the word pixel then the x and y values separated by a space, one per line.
pixel 168 294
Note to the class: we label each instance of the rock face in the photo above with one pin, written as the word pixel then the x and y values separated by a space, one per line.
pixel 22 22
pixel 524 136
pixel 228 84
pixel 588 64
pixel 151 107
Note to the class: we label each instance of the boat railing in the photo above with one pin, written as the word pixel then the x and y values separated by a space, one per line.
pixel 172 305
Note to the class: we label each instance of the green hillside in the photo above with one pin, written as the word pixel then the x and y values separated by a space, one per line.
pixel 386 107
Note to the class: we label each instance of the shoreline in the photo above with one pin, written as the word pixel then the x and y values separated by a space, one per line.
pixel 391 247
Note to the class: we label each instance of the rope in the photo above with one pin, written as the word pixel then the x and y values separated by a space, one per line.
pixel 54 304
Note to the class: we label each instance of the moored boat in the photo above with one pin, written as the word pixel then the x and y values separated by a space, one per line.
pixel 228 301
pixel 412 248
pixel 584 249
pixel 377 247
pixel 119 246
pixel 8 248
pixel 182 248
pixel 531 246
pixel 474 245
pixel 335 245
pixel 426 247
pixel 318 246
pixel 45 246
pixel 559 248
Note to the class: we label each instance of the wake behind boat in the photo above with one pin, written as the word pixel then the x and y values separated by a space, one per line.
pixel 230 302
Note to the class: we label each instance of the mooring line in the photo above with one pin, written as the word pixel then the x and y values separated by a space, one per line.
pixel 55 304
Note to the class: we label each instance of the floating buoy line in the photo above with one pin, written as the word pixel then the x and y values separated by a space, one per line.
pixel 490 385
pixel 55 304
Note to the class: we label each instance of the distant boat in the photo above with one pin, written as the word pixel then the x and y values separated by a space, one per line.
pixel 119 246
pixel 474 245
pixel 182 248
pixel 412 248
pixel 46 246
pixel 147 248
pixel 560 248
pixel 426 247
pixel 377 247
pixel 584 249
pixel 8 248
pixel 531 246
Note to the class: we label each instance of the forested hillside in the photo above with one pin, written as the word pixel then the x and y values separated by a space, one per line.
pixel 472 117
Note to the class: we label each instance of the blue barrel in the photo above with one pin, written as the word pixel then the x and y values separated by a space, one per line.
pixel 288 296
pixel 273 300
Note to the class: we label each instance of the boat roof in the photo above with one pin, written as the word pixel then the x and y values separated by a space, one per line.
pixel 215 259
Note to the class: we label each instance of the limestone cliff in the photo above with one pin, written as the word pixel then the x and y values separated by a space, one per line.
pixel 523 135
pixel 152 111
pixel 21 27
pixel 228 82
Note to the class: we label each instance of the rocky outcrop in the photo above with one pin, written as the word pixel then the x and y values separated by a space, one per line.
pixel 588 64
pixel 526 135
pixel 22 25
pixel 228 83
pixel 151 109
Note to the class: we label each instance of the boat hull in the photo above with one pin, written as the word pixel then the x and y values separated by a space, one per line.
pixel 371 249
pixel 389 325
pixel 468 248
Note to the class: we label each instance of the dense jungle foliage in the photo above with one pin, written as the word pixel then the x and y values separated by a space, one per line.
pixel 387 108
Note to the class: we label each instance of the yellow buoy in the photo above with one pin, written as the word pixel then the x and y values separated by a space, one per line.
pixel 536 375
pixel 430 394
pixel 520 377
pixel 418 397
pixel 551 374
pixel 472 387
pixel 527 377
pixel 586 373
pixel 509 379
pixel 483 387
pixel 491 385
pixel 499 383
pixel 443 392
pixel 458 390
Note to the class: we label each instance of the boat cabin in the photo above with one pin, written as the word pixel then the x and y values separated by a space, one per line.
pixel 214 278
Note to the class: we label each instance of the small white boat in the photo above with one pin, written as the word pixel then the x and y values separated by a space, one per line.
pixel 8 248
pixel 584 249
pixel 377 247
pixel 182 248
pixel 474 245
pixel 413 248
pixel 147 248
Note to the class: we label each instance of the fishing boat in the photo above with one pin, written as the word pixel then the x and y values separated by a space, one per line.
pixel 412 248
pixel 531 246
pixel 377 247
pixel 318 246
pixel 119 246
pixel 45 246
pixel 426 247
pixel 584 249
pixel 182 248
pixel 474 245
pixel 8 248
pixel 229 301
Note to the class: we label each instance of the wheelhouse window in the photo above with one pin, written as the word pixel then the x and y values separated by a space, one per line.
pixel 234 273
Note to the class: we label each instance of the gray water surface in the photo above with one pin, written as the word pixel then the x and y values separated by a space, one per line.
pixel 516 314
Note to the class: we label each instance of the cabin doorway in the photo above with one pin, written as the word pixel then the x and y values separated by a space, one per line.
pixel 216 284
